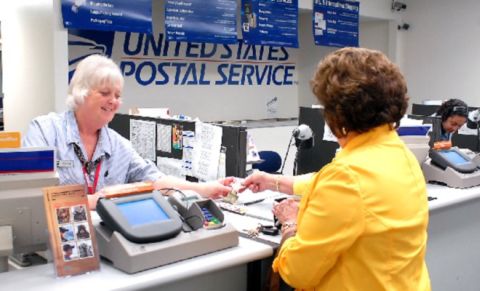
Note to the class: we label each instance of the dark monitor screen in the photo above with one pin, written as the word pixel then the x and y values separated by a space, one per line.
pixel 142 212
pixel 454 157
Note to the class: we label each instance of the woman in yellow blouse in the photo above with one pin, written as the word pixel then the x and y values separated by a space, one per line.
pixel 362 221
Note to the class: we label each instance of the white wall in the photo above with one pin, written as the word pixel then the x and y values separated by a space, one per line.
pixel 308 59
pixel 375 33
pixel 30 61
pixel 441 50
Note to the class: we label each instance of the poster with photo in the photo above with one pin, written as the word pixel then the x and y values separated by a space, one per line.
pixel 177 137
pixel 72 236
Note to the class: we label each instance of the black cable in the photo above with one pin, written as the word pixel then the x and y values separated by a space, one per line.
pixel 172 189
pixel 478 136
pixel 286 154
pixel 295 160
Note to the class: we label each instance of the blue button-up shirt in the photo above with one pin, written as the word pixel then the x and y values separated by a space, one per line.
pixel 120 162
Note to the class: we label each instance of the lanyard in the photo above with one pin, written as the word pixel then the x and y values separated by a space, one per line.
pixel 87 167
pixel 92 188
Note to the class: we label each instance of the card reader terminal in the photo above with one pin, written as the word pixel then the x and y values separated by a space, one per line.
pixel 140 218
pixel 451 167
pixel 210 220
pixel 454 159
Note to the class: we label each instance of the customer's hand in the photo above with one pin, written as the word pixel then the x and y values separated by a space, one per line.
pixel 259 181
pixel 286 210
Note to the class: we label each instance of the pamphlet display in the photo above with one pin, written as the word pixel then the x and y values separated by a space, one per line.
pixel 72 236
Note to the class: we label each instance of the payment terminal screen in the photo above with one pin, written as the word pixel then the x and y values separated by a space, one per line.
pixel 453 157
pixel 142 212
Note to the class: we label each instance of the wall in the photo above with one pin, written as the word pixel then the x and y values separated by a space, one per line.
pixel 376 21
pixel 30 57
pixel 35 56
pixel 308 59
pixel 212 102
pixel 374 34
pixel 440 50
pixel 228 102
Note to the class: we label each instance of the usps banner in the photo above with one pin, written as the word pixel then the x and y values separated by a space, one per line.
pixel 213 21
pixel 214 82
pixel 335 23
pixel 270 22
pixel 114 15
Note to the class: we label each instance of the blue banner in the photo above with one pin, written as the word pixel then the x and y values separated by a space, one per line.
pixel 110 15
pixel 270 22
pixel 212 21
pixel 335 23
pixel 261 81
pixel 27 161
pixel 152 60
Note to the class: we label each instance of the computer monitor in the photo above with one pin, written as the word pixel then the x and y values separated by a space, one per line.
pixel 22 214
pixel 424 109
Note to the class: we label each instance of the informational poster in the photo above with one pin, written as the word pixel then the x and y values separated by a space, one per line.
pixel 335 22
pixel 143 137
pixel 212 21
pixel 171 167
pixel 112 15
pixel 206 154
pixel 188 151
pixel 272 23
pixel 164 138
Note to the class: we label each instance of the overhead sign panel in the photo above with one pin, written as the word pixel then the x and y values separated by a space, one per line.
pixel 272 23
pixel 212 21
pixel 111 15
pixel 335 23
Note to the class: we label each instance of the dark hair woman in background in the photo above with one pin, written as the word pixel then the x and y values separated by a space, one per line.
pixel 453 114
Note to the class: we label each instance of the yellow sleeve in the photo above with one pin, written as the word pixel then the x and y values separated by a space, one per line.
pixel 301 183
pixel 330 219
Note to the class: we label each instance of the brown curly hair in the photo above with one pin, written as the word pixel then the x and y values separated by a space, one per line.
pixel 360 89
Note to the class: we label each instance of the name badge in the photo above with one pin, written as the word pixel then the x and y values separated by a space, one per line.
pixel 64 163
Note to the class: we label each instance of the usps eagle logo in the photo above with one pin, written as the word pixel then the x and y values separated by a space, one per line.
pixel 83 43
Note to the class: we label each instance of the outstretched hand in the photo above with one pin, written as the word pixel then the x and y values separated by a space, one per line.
pixel 258 182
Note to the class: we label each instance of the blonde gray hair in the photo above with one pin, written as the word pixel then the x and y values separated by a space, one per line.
pixel 92 72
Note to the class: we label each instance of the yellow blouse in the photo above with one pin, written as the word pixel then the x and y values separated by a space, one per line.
pixel 362 221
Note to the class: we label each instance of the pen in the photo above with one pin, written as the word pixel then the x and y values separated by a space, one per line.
pixel 254 201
